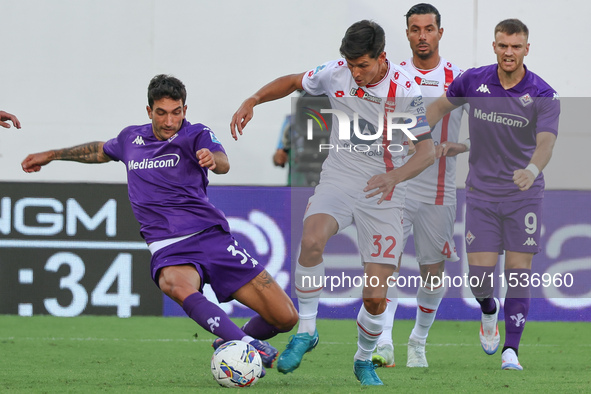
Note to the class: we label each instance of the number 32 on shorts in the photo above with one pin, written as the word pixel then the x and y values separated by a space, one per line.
pixel 386 244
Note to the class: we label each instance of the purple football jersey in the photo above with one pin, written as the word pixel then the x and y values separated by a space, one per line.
pixel 166 185
pixel 503 127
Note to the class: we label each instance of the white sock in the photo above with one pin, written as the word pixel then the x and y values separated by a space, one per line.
pixel 427 304
pixel 386 336
pixel 369 328
pixel 307 313
pixel 309 282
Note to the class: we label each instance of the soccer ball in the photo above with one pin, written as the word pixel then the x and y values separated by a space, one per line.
pixel 236 364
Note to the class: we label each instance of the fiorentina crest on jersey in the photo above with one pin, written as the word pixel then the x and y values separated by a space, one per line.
pixel 526 100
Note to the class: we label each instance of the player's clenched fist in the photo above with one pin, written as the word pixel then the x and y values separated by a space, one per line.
pixel 206 158
pixel 523 179
pixel 35 161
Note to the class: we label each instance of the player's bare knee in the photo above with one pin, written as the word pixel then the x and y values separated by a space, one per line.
pixel 312 248
pixel 292 319
pixel 288 319
pixel 174 292
pixel 175 289
pixel 283 318
pixel 374 306
pixel 431 271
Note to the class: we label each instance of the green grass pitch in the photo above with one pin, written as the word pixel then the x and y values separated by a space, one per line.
pixel 44 354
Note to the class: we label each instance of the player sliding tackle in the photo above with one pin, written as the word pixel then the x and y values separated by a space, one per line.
pixel 167 162
pixel 355 187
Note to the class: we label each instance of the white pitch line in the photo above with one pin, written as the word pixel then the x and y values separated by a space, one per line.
pixel 209 341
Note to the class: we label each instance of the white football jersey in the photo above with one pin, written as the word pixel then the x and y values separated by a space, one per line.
pixel 437 183
pixel 355 156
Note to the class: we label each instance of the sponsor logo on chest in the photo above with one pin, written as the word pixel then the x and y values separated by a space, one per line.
pixel 362 94
pixel 426 82
pixel 503 118
pixel 165 161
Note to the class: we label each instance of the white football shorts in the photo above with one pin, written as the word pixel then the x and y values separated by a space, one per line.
pixel 433 230
pixel 379 227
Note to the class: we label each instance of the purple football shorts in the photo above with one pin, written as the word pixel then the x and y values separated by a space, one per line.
pixel 507 225
pixel 218 258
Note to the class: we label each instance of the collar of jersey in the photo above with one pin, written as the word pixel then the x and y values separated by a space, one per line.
pixel 518 87
pixel 381 80
pixel 425 72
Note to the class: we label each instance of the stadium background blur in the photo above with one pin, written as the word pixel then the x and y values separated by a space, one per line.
pixel 75 71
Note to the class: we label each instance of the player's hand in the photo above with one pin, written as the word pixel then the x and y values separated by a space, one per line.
pixel 449 149
pixel 523 179
pixel 35 161
pixel 411 147
pixel 383 183
pixel 206 158
pixel 280 158
pixel 242 117
pixel 5 117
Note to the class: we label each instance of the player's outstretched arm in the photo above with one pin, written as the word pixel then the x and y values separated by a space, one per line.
pixel 274 90
pixel 91 152
pixel 438 109
pixel 5 117
pixel 450 149
pixel 384 183
pixel 525 177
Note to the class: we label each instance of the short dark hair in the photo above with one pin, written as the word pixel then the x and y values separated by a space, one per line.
pixel 166 86
pixel 363 38
pixel 512 26
pixel 424 9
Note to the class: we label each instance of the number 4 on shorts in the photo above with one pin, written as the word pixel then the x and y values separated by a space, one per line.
pixel 447 250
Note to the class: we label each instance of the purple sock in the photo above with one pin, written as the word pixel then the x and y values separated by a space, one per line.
pixel 482 287
pixel 516 306
pixel 258 328
pixel 211 317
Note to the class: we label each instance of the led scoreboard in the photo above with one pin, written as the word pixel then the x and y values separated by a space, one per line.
pixel 72 249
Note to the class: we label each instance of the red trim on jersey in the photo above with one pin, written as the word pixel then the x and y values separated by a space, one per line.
pixel 385 141
pixel 449 77
pixel 425 72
